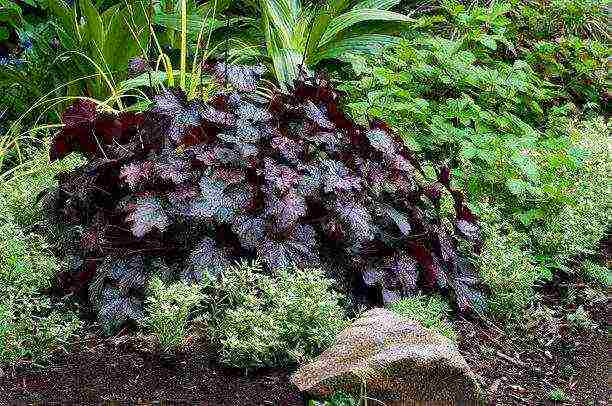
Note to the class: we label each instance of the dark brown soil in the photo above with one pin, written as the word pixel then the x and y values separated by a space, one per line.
pixel 115 370
pixel 519 364
pixel 523 363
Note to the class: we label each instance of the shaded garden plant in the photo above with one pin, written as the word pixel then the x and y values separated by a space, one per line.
pixel 284 180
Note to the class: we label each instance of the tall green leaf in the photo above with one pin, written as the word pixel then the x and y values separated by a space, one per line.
pixel 350 18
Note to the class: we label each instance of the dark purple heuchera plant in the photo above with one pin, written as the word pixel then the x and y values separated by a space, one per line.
pixel 191 187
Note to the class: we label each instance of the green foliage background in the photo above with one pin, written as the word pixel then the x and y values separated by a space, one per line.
pixel 513 96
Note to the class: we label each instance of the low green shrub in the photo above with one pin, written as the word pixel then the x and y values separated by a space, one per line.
pixel 580 320
pixel 558 395
pixel 522 147
pixel 271 320
pixel 19 194
pixel 581 223
pixel 31 326
pixel 169 306
pixel 431 311
pixel 506 266
pixel 594 272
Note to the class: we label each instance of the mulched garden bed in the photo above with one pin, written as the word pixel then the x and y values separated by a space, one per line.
pixel 517 368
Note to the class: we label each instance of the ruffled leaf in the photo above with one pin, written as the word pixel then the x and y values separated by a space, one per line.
pixel 146 215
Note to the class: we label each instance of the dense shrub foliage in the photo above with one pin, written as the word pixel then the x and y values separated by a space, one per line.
pixel 498 94
pixel 255 319
pixel 168 308
pixel 32 324
pixel 285 180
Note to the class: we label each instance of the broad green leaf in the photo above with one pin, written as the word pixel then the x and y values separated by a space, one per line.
pixel 4 33
pixel 10 13
pixel 149 79
pixel 127 27
pixel 350 18
pixel 195 23
pixel 516 186
pixel 376 4
pixel 527 166
pixel 93 27
pixel 489 42
pixel 65 15
pixel 367 44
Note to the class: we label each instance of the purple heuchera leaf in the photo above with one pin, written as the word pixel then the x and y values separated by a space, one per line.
pixel 288 148
pixel 297 249
pixel 211 198
pixel 400 219
pixel 317 116
pixel 286 179
pixel 249 229
pixel 243 78
pixel 136 173
pixel 337 178
pixel 206 258
pixel 279 178
pixel 381 141
pixel 286 210
pixel 146 215
pixel 183 116
pixel 468 229
pixel 111 291
pixel 218 117
pixel 355 218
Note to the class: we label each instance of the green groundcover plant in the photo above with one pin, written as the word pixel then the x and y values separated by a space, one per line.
pixel 32 325
pixel 533 170
pixel 264 320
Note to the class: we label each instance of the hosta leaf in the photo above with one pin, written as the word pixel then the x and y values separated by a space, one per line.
pixel 146 215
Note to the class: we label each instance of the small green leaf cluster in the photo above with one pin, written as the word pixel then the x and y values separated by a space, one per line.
pixel 168 307
pixel 430 310
pixel 270 320
pixel 31 324
pixel 564 40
